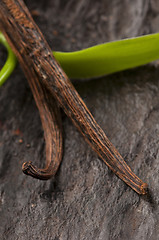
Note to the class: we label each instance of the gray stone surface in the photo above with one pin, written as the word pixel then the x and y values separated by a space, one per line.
pixel 85 200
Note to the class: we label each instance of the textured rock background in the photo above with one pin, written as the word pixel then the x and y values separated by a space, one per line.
pixel 85 200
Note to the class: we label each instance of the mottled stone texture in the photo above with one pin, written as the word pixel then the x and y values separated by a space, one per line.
pixel 85 201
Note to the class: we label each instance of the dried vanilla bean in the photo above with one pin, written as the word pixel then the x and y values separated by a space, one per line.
pixel 42 70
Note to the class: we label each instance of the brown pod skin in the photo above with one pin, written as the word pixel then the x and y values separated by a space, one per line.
pixel 43 72
pixel 51 121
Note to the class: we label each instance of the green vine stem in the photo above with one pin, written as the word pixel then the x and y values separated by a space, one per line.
pixel 10 63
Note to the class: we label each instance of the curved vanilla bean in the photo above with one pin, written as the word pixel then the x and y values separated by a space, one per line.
pixel 51 121
pixel 35 55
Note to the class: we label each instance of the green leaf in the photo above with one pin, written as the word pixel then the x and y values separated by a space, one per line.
pixel 110 57
pixel 98 60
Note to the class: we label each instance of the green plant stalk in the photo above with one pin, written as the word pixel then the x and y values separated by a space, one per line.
pixel 98 60
pixel 10 63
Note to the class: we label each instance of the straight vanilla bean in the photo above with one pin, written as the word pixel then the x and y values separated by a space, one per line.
pixel 45 75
